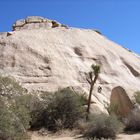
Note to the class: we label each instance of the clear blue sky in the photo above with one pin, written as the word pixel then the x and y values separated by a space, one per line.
pixel 119 20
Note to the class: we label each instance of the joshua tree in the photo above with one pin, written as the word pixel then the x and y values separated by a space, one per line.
pixel 95 72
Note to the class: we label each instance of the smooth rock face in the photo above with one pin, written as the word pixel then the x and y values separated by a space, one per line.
pixel 52 58
pixel 120 102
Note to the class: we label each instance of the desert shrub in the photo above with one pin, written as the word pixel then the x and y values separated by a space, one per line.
pixel 14 110
pixel 137 97
pixel 65 107
pixel 113 109
pixel 58 110
pixel 82 126
pixel 21 108
pixel 17 99
pixel 37 113
pixel 82 99
pixel 9 87
pixel 132 122
pixel 10 126
pixel 103 126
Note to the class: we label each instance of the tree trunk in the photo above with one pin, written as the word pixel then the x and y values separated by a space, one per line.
pixel 90 93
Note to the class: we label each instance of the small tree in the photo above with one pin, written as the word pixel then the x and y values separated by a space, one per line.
pixel 95 72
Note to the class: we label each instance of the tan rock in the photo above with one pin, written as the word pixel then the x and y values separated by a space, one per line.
pixel 34 19
pixel 120 102
pixel 3 34
pixel 35 22
pixel 48 59
pixel 20 23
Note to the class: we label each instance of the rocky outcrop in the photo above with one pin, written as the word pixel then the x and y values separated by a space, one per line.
pixel 54 57
pixel 35 22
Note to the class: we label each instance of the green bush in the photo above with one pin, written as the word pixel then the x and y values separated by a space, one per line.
pixel 9 87
pixel 17 99
pixel 58 110
pixel 21 108
pixel 132 122
pixel 14 110
pixel 103 126
pixel 10 125
pixel 113 109
pixel 137 97
pixel 37 113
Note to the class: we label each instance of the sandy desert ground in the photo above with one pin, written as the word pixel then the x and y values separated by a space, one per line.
pixel 36 136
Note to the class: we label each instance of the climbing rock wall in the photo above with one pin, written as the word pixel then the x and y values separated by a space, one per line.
pixel 44 55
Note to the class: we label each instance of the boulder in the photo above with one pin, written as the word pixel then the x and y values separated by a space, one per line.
pixel 120 103
pixel 34 19
pixel 35 22
pixel 18 24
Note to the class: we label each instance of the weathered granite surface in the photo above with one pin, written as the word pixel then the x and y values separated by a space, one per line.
pixel 43 55
pixel 35 22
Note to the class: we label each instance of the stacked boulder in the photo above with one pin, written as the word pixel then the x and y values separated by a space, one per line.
pixel 35 22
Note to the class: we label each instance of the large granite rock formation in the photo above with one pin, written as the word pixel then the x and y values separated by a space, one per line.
pixel 49 58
